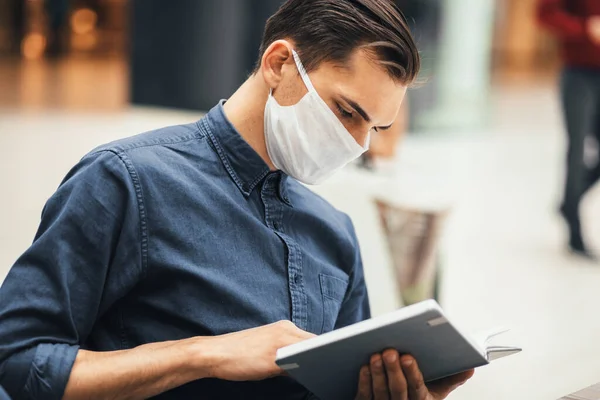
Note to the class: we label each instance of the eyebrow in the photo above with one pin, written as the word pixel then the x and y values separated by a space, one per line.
pixel 362 112
pixel 357 108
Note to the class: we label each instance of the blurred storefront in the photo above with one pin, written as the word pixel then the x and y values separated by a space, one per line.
pixel 203 51
pixel 35 29
pixel 520 48
pixel 189 54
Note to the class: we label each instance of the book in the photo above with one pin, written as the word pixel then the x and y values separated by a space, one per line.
pixel 590 393
pixel 328 365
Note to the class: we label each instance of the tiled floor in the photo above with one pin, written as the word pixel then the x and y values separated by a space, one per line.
pixel 504 258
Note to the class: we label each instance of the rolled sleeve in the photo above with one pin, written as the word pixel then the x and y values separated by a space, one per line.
pixel 50 370
pixel 86 255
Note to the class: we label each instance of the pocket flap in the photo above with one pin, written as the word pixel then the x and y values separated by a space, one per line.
pixel 333 287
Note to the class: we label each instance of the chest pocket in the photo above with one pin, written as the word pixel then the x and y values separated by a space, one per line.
pixel 333 290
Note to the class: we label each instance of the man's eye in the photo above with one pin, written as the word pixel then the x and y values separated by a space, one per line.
pixel 344 113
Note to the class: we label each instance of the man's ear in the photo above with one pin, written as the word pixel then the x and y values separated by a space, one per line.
pixel 275 57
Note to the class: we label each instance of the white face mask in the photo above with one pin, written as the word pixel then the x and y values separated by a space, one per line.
pixel 307 141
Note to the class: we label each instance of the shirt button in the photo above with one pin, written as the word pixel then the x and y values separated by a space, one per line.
pixel 276 225
pixel 296 279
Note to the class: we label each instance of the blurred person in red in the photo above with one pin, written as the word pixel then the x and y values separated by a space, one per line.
pixel 577 25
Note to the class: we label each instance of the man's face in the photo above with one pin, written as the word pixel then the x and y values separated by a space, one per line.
pixel 361 94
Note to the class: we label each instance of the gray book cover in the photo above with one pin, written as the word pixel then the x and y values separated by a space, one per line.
pixel 329 365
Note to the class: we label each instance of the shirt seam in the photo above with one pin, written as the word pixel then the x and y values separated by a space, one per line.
pixel 245 187
pixel 131 171
pixel 161 143
pixel 123 334
pixel 197 134
pixel 222 156
pixel 357 260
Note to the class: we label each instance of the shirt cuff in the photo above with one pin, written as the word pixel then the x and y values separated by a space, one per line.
pixel 50 371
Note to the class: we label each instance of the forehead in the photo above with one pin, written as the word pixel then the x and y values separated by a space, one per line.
pixel 364 81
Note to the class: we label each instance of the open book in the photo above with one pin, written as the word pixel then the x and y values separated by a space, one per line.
pixel 329 365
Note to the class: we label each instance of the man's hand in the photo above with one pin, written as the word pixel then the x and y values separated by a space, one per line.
pixel 151 369
pixel 249 354
pixel 593 29
pixel 390 377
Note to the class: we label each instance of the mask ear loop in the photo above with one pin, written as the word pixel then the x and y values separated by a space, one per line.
pixel 367 142
pixel 303 73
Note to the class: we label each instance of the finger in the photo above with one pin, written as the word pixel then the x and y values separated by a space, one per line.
pixel 445 386
pixel 365 390
pixel 379 380
pixel 396 381
pixel 416 385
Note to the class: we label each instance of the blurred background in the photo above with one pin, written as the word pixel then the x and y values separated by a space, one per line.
pixel 459 203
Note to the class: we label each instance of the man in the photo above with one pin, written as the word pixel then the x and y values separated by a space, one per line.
pixel 176 263
pixel 577 23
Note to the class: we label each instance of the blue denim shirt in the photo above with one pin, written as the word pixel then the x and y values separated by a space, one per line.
pixel 175 233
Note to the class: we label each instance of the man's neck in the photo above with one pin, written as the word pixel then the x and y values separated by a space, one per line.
pixel 245 110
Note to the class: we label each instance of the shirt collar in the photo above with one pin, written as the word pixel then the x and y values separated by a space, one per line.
pixel 243 164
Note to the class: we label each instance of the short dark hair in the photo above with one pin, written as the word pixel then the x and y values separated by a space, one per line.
pixel 330 30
